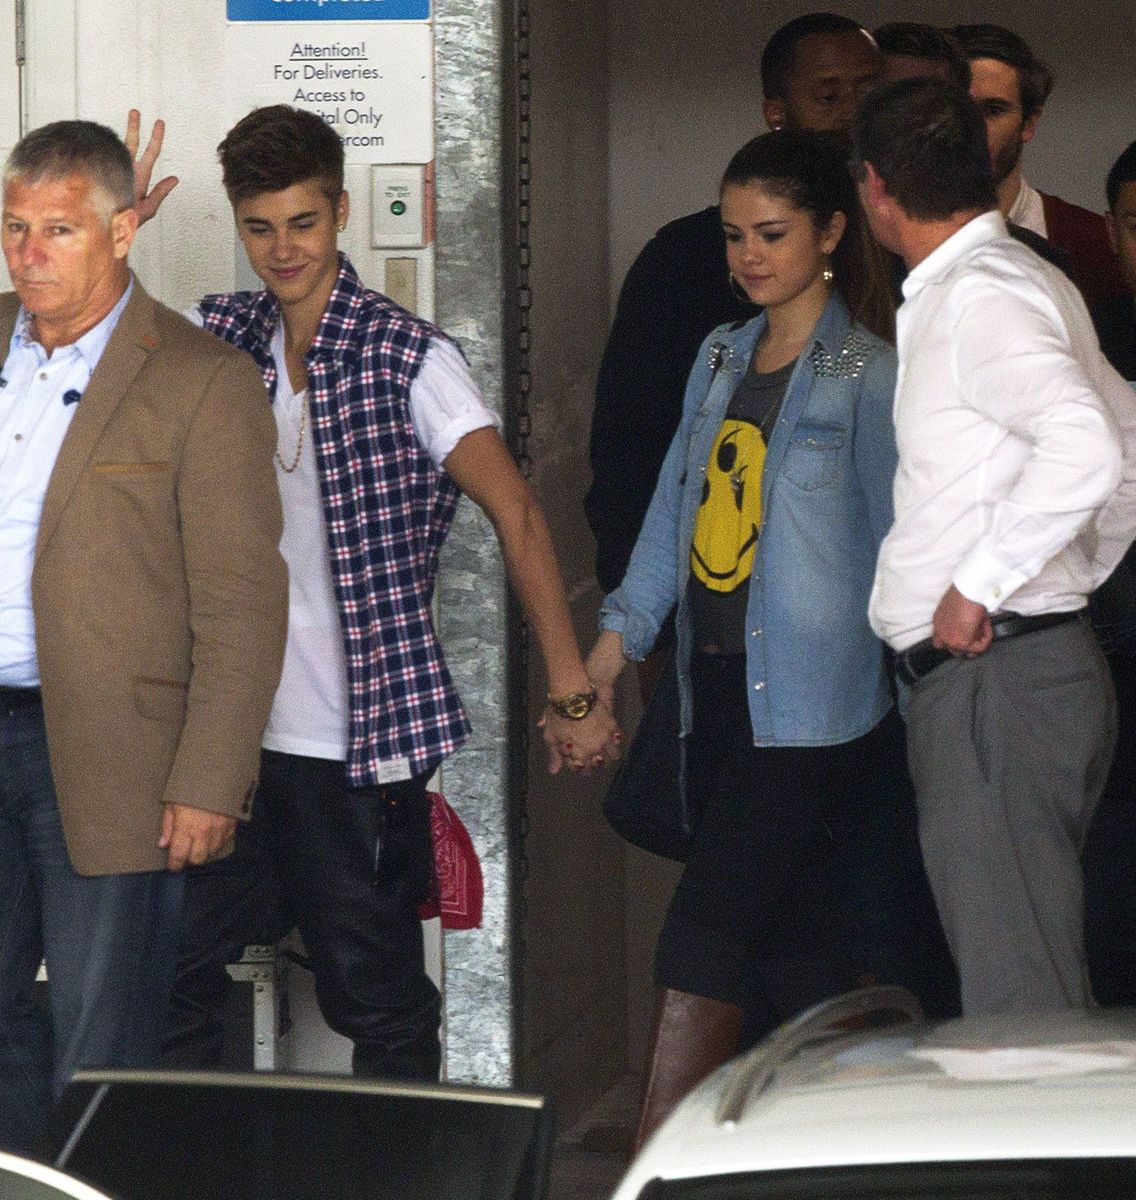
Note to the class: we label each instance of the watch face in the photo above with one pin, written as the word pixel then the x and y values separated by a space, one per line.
pixel 575 707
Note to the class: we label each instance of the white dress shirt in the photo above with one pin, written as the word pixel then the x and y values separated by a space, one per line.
pixel 34 420
pixel 1017 440
pixel 1028 211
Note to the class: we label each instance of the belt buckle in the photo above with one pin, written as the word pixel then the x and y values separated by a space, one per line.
pixel 910 664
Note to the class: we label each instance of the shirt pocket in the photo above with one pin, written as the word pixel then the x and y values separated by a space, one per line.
pixel 815 455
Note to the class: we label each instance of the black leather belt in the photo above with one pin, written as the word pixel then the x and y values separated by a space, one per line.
pixel 922 658
pixel 13 699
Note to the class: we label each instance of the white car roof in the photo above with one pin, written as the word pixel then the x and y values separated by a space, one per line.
pixel 1053 1086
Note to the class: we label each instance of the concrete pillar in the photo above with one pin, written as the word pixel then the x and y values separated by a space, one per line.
pixel 470 41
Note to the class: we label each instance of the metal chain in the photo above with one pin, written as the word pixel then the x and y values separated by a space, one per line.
pixel 519 424
pixel 522 428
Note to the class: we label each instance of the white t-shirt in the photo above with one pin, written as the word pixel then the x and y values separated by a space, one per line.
pixel 310 712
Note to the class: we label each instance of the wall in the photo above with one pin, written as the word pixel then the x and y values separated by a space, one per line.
pixel 573 1013
pixel 685 94
pixel 165 59
pixel 97 59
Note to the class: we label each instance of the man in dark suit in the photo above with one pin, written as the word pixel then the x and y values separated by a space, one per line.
pixel 142 603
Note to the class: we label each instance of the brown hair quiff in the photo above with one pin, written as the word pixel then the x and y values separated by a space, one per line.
pixel 276 147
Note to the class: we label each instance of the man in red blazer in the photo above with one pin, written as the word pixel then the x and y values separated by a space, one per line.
pixel 1011 87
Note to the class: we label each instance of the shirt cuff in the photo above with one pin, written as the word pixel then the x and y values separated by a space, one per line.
pixel 638 634
pixel 986 580
pixel 443 441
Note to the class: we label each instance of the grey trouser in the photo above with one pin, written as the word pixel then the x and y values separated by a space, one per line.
pixel 1009 753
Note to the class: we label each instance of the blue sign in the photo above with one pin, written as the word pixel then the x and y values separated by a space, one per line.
pixel 328 10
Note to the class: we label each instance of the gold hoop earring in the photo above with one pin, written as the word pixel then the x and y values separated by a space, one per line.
pixel 736 288
pixel 828 274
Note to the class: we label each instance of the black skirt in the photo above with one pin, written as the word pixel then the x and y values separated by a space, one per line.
pixel 754 920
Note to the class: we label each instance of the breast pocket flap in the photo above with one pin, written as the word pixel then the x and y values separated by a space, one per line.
pixel 131 468
pixel 815 453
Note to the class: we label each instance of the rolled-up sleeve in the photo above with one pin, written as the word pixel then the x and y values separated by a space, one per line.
pixel 445 403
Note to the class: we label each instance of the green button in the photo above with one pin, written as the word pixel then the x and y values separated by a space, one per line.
pixel 398 207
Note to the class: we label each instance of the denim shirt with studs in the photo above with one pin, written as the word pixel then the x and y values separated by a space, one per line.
pixel 815 671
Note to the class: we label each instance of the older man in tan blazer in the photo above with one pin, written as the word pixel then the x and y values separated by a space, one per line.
pixel 142 606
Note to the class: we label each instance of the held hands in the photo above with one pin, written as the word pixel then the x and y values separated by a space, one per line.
pixel 961 626
pixel 147 200
pixel 589 743
pixel 585 744
pixel 193 836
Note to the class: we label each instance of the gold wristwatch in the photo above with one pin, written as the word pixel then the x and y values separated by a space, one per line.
pixel 575 707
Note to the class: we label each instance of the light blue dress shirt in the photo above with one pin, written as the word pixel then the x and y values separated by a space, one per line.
pixel 34 419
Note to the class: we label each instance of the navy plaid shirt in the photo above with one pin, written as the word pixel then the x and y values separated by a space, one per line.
pixel 388 509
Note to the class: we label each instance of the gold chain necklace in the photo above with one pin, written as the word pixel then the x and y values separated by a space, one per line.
pixel 299 442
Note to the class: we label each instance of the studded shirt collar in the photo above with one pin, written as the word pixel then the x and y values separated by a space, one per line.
pixel 839 348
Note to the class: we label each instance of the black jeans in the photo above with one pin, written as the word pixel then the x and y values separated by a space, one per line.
pixel 349 867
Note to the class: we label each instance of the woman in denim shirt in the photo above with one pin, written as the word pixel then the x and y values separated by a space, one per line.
pixel 763 530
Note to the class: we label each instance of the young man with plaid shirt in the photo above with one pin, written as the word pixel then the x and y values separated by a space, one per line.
pixel 380 431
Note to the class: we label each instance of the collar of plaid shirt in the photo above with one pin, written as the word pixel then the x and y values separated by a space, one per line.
pixel 387 509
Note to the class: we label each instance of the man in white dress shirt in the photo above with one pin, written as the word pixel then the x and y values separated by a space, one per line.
pixel 1015 497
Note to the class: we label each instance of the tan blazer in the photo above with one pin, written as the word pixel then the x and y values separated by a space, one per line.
pixel 158 589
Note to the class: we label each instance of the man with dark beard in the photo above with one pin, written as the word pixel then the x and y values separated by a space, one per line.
pixel 1010 86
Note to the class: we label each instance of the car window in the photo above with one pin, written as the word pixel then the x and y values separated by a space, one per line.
pixel 1040 1179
